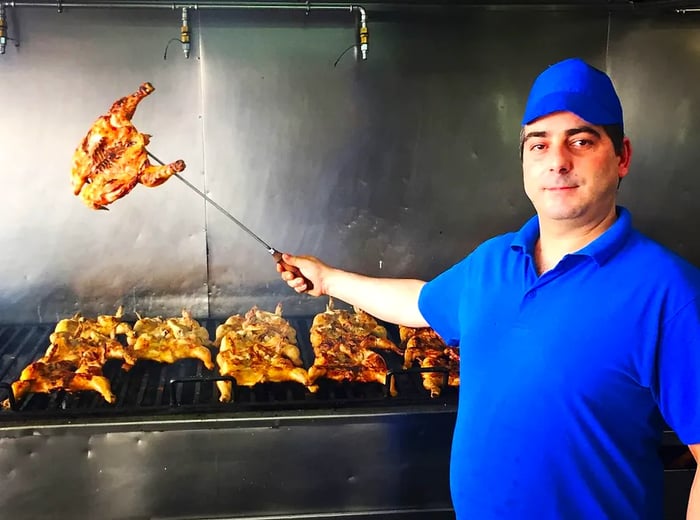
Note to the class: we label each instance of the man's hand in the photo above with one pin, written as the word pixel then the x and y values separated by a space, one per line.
pixel 390 299
pixel 309 266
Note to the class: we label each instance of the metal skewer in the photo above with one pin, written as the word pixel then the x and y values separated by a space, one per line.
pixel 277 255
pixel 240 224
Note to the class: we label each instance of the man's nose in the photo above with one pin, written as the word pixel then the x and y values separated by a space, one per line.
pixel 559 159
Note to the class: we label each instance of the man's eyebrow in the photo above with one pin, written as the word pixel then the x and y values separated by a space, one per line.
pixel 583 130
pixel 572 131
pixel 534 134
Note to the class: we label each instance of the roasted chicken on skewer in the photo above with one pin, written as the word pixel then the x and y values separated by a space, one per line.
pixel 112 158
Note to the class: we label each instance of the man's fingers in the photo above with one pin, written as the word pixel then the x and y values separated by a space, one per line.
pixel 295 282
pixel 294 276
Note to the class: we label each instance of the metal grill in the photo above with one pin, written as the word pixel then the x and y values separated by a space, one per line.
pixel 187 386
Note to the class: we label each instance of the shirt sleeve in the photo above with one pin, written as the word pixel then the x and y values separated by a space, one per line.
pixel 439 301
pixel 678 392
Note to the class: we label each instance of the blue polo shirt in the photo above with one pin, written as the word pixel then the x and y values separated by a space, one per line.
pixel 566 378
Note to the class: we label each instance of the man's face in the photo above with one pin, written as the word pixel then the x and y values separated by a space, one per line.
pixel 570 169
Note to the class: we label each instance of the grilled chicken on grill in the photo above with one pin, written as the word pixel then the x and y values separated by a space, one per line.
pixel 259 347
pixel 426 348
pixel 43 376
pixel 93 347
pixel 341 323
pixel 105 325
pixel 169 340
pixel 343 344
pixel 347 360
pixel 112 157
pixel 78 349
pixel 75 336
pixel 267 328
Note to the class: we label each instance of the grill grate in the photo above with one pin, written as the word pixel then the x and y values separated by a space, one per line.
pixel 187 386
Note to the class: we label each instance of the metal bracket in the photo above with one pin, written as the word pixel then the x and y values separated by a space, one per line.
pixel 173 384
pixel 390 385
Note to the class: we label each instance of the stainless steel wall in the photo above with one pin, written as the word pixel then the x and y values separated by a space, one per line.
pixel 397 166
pixel 149 251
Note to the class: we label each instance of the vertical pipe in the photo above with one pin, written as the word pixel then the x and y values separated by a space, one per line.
pixel 363 33
pixel 185 33
pixel 3 29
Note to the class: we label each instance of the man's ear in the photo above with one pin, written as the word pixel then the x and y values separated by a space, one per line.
pixel 625 157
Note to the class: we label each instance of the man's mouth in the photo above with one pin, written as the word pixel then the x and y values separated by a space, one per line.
pixel 561 188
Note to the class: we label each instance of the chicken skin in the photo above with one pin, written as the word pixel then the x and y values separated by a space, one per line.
pixel 77 337
pixel 259 347
pixel 169 340
pixel 341 323
pixel 104 324
pixel 112 158
pixel 43 376
pixel 250 363
pixel 73 361
pixel 343 344
pixel 428 350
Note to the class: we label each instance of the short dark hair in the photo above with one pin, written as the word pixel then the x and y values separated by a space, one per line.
pixel 614 132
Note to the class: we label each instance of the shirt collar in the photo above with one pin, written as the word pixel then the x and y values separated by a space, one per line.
pixel 601 249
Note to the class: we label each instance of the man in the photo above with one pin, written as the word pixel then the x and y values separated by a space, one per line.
pixel 579 336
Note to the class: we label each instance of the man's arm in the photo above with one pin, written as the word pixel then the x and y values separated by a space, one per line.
pixel 391 299
pixel 694 500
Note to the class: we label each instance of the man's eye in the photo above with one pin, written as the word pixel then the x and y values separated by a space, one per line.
pixel 537 147
pixel 580 143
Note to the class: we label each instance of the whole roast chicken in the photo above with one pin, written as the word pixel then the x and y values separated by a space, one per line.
pixel 112 158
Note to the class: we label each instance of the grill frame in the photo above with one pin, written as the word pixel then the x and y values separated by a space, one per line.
pixel 304 464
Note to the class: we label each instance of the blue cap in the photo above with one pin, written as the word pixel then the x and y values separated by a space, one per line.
pixel 574 86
